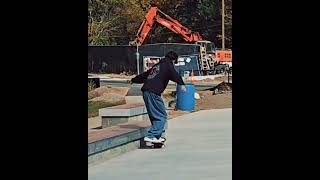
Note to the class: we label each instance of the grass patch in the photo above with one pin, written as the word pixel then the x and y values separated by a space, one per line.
pixel 91 86
pixel 90 96
pixel 94 106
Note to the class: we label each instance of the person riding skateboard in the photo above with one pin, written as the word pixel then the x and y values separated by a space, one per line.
pixel 155 81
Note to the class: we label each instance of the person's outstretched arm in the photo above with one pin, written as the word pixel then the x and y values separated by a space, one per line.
pixel 139 79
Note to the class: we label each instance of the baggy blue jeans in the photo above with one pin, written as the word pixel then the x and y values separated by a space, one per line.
pixel 157 114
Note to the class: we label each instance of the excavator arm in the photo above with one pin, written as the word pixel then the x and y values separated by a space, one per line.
pixel 145 27
pixel 152 17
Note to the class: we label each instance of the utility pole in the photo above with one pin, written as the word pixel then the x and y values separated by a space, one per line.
pixel 137 56
pixel 223 24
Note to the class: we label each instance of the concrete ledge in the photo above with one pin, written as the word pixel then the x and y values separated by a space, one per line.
pixel 125 113
pixel 132 125
pixel 113 121
pixel 109 142
pixel 114 152
pixel 125 110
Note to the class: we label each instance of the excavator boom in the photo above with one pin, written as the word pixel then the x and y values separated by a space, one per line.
pixel 152 17
pixel 209 56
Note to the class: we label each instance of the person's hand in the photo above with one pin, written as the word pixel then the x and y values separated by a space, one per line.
pixel 183 88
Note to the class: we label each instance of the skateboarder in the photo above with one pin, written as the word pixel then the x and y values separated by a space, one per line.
pixel 155 80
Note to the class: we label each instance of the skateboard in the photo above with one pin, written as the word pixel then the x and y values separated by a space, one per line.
pixel 154 145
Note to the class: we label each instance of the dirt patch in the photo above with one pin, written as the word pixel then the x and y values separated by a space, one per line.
pixel 224 86
pixel 94 106
pixel 216 80
pixel 207 101
pixel 105 97
pixel 122 91
pixel 204 94
pixel 122 76
pixel 222 78
pixel 109 97
pixel 218 101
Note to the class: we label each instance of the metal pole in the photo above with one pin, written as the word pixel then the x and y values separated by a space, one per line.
pixel 137 56
pixel 223 24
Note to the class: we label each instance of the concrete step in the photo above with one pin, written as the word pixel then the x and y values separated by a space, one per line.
pixel 112 116
pixel 110 142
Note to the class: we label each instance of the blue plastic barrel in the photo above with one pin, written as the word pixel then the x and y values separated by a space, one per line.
pixel 185 100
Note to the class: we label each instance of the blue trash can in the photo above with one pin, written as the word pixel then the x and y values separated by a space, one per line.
pixel 185 100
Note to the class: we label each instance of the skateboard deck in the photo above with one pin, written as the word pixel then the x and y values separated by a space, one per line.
pixel 154 145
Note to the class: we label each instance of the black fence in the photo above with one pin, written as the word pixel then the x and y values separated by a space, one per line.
pixel 118 59
pixel 111 59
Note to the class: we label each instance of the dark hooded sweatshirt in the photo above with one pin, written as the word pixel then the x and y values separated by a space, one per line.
pixel 156 78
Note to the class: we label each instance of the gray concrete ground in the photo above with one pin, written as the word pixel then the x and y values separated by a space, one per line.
pixel 199 146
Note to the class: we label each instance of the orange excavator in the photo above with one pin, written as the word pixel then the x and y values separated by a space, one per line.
pixel 211 59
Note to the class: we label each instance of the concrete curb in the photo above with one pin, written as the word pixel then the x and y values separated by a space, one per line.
pixel 102 150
